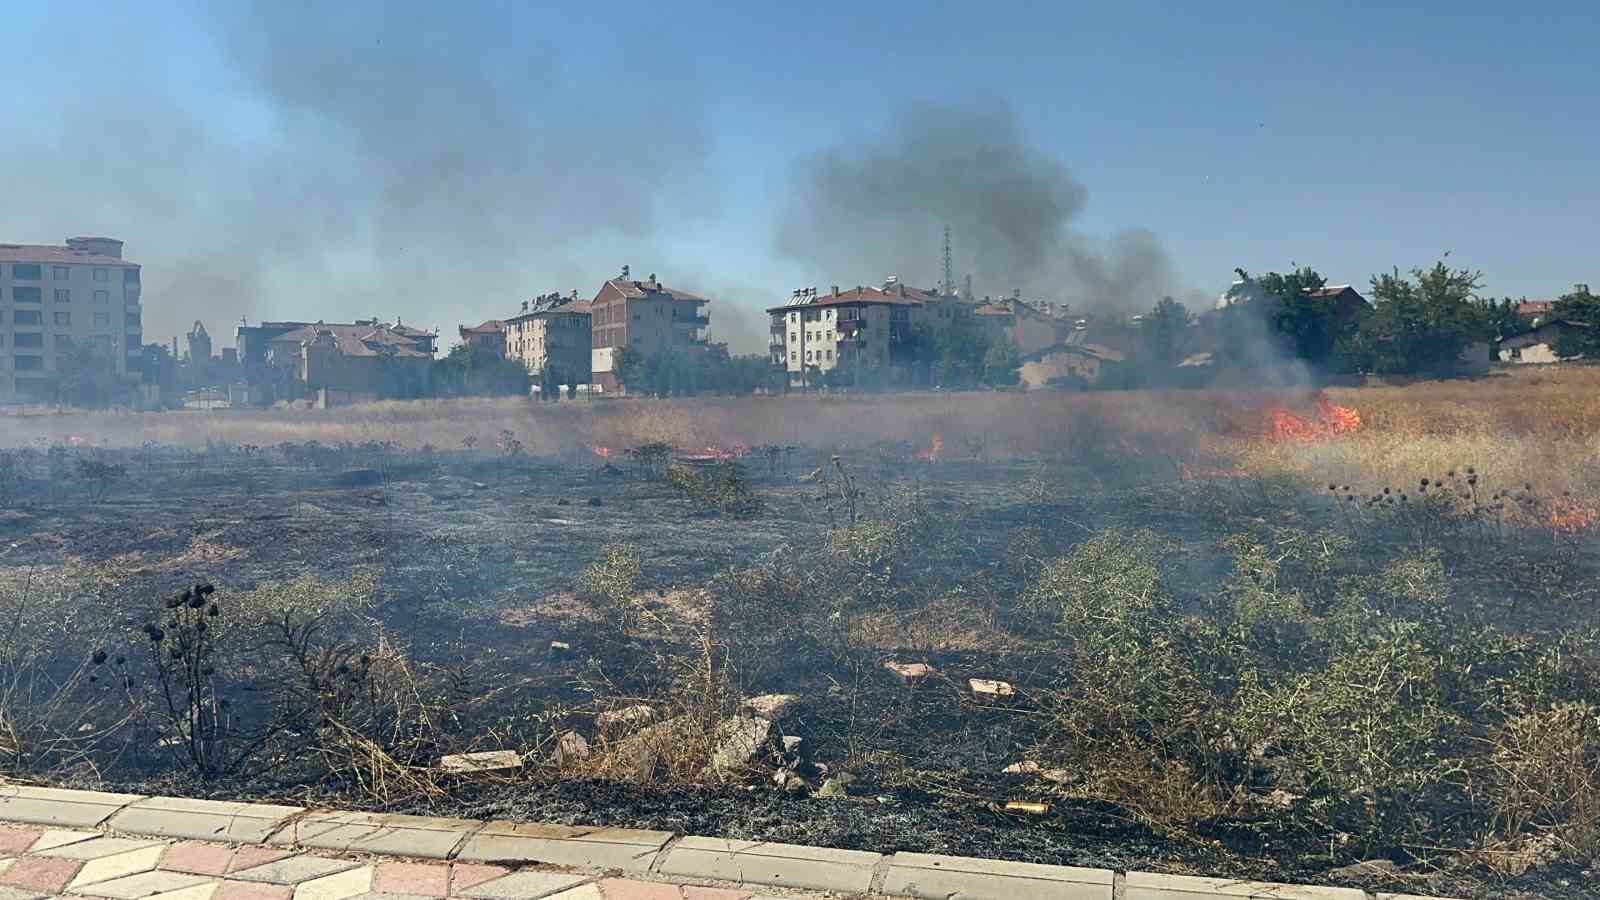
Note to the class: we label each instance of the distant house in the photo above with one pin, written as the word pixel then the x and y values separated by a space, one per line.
pixel 490 337
pixel 1535 309
pixel 1536 346
pixel 1071 365
pixel 1346 301
pixel 1025 326
pixel 352 363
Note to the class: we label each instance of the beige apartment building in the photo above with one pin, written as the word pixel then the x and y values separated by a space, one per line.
pixel 646 317
pixel 552 332
pixel 866 327
pixel 55 299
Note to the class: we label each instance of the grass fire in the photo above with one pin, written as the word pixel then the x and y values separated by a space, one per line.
pixel 1346 636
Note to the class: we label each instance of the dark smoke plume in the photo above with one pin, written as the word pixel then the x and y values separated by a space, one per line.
pixel 866 210
pixel 439 162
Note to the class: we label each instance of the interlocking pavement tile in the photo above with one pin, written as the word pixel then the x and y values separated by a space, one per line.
pixel 523 885
pixel 202 891
pixel 467 875
pixel 581 892
pixel 5 864
pixel 250 856
pixel 376 895
pixel 244 890
pixel 14 841
pixel 336 887
pixel 144 884
pixel 60 837
pixel 422 879
pixel 197 859
pixel 105 868
pixel 37 873
pixel 10 893
pixel 211 820
pixel 628 889
pixel 293 870
pixel 96 848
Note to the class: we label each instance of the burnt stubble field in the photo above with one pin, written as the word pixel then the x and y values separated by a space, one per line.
pixel 1237 654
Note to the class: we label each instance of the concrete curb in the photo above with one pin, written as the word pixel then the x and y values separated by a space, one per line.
pixel 756 864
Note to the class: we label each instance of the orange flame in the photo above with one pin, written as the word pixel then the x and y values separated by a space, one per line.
pixel 1330 421
pixel 1571 517
pixel 931 454
pixel 602 452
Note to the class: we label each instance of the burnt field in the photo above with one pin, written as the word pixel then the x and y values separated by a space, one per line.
pixel 1197 664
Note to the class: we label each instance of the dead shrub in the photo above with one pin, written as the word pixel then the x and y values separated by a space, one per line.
pixel 1546 772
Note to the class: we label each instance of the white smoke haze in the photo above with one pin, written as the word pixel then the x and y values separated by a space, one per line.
pixel 878 206
pixel 397 158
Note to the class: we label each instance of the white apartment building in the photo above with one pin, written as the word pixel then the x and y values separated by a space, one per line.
pixel 55 300
pixel 866 327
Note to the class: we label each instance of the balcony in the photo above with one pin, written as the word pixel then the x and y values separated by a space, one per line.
pixel 850 326
pixel 696 321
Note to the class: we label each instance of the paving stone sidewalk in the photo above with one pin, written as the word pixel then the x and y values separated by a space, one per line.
pixel 90 844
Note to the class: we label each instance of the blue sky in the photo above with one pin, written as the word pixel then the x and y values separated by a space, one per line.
pixel 443 162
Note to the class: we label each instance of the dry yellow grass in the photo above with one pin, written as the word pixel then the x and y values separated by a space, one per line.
pixel 1532 425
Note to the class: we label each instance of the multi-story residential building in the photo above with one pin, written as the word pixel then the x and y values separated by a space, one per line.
pixel 489 337
pixel 553 332
pixel 646 317
pixel 54 300
pixel 1026 326
pixel 865 328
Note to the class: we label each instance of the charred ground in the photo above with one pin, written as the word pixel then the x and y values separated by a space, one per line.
pixel 1191 652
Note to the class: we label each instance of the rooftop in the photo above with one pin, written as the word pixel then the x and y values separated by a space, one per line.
pixel 362 338
pixel 639 290
pixel 48 253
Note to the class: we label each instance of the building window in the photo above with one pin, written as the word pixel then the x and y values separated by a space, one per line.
pixel 133 321
pixel 793 356
pixel 63 342
pixel 29 339
pixel 830 335
pixel 101 320
pixel 63 318
pixel 102 296
pixel 26 271
pixel 63 295
pixel 28 317
pixel 808 356
pixel 30 363
pixel 27 295
pixel 100 275
pixel 830 355
pixel 130 276
pixel 102 342
pixel 60 273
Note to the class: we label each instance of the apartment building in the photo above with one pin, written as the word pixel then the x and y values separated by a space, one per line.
pixel 553 332
pixel 646 317
pixel 863 327
pixel 489 337
pixel 56 299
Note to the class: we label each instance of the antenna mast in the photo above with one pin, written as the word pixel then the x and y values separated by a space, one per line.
pixel 949 285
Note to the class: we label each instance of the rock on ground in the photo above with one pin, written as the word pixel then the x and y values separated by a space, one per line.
pixel 738 742
pixel 487 761
pixel 771 706
pixel 618 722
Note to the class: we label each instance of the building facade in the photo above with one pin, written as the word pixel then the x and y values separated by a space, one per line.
pixel 646 317
pixel 553 333
pixel 863 328
pixel 56 301
pixel 489 337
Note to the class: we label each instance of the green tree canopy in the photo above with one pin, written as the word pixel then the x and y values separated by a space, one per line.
pixel 1420 324
pixel 1579 306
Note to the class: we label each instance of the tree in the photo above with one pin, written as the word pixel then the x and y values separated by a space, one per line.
pixel 1579 306
pixel 1420 324
pixel 628 364
pixel 1162 337
pixel 472 371
pixel 87 378
pixel 1001 364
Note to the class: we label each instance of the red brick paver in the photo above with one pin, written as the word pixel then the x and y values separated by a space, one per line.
pixel 244 890
pixel 249 857
pixel 38 873
pixel 420 879
pixel 197 859
pixel 464 876
pixel 628 889
pixel 14 841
